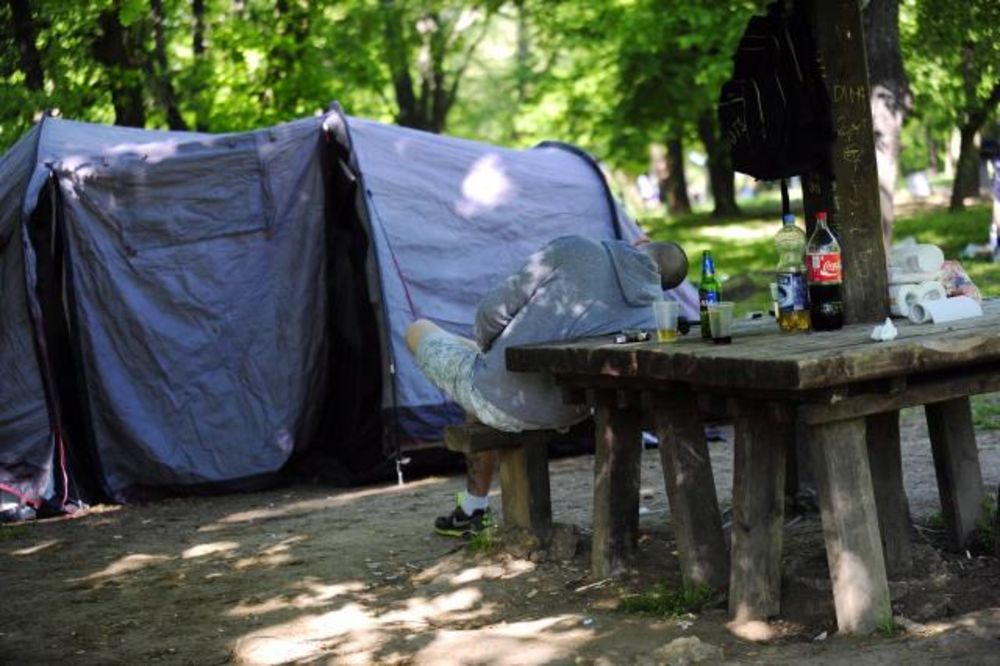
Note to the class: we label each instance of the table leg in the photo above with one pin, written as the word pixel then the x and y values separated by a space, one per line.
pixel 617 466
pixel 885 459
pixel 527 500
pixel 758 512
pixel 956 462
pixel 850 525
pixel 694 505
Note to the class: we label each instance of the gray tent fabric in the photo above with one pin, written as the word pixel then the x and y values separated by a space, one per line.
pixel 205 276
pixel 450 218
pixel 26 444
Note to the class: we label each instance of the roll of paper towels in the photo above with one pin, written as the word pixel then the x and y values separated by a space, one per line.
pixel 930 291
pixel 901 298
pixel 900 276
pixel 944 310
pixel 921 258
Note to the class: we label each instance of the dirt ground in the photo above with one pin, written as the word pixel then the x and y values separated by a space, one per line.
pixel 312 574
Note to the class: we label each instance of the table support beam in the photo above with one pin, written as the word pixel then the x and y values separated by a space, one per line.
pixel 617 466
pixel 850 526
pixel 758 512
pixel 694 504
pixel 956 462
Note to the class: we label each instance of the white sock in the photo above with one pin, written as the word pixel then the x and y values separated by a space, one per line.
pixel 472 503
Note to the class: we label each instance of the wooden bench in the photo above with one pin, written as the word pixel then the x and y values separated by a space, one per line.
pixel 524 468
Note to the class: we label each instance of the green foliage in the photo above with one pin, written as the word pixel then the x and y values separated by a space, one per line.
pixel 986 411
pixel 983 537
pixel 935 521
pixel 12 532
pixel 888 627
pixel 952 56
pixel 664 602
pixel 486 541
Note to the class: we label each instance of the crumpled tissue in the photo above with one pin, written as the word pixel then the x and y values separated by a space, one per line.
pixel 885 332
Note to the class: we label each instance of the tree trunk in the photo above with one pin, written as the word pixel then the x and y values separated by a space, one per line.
pixel 667 165
pixel 161 71
pixel 967 170
pixel 890 99
pixel 200 67
pixel 25 34
pixel 933 158
pixel 720 167
pixel 399 67
pixel 112 48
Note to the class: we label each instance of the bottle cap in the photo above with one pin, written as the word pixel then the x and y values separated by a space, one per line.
pixel 788 218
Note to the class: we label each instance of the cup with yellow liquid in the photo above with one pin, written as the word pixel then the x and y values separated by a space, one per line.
pixel 666 313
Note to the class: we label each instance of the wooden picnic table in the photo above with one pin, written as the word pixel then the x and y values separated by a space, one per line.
pixel 840 389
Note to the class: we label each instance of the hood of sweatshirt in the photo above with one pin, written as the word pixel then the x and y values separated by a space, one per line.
pixel 637 275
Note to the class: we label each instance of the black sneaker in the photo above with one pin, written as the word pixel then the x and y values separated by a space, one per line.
pixel 460 524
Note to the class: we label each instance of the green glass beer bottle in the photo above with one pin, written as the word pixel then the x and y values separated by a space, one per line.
pixel 709 290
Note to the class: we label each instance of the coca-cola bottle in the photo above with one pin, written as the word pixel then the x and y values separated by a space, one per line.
pixel 824 275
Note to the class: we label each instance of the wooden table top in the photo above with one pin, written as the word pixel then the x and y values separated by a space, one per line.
pixel 762 357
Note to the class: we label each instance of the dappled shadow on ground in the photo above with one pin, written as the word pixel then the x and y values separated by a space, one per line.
pixel 312 575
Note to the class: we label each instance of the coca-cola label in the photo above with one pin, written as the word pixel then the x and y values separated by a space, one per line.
pixel 824 268
pixel 792 294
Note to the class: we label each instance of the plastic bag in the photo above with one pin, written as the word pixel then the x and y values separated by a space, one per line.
pixel 956 281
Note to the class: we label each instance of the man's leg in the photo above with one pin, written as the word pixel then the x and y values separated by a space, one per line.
pixel 446 371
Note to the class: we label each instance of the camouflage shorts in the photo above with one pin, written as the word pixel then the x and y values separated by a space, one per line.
pixel 449 361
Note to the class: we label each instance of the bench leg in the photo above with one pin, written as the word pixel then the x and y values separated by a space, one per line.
pixel 524 483
pixel 850 525
pixel 758 512
pixel 694 505
pixel 956 462
pixel 885 459
pixel 617 465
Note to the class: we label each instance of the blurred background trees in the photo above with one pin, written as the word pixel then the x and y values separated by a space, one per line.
pixel 633 81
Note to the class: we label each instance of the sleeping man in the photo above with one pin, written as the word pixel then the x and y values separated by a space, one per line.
pixel 572 288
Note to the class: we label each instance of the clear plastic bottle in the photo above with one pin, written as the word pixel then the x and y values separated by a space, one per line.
pixel 793 295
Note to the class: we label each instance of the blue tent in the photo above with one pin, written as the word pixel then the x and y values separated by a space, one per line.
pixel 183 312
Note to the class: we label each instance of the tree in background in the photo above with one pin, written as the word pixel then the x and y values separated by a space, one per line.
pixel 956 74
pixel 890 98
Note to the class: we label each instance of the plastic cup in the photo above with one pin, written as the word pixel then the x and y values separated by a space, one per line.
pixel 666 313
pixel 720 322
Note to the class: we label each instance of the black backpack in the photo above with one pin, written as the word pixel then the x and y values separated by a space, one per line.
pixel 775 111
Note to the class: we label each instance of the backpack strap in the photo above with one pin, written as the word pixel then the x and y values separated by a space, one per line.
pixel 786 207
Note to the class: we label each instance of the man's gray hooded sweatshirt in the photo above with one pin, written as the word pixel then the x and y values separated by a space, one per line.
pixel 571 288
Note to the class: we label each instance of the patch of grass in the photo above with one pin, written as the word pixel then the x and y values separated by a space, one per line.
pixel 11 532
pixel 986 411
pixel 982 540
pixel 486 542
pixel 888 627
pixel 664 602
pixel 935 521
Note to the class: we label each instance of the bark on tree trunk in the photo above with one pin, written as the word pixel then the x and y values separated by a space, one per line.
pixel 667 164
pixel 200 73
pixel 720 167
pixel 25 34
pixel 161 71
pixel 402 83
pixel 967 170
pixel 890 99
pixel 111 49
